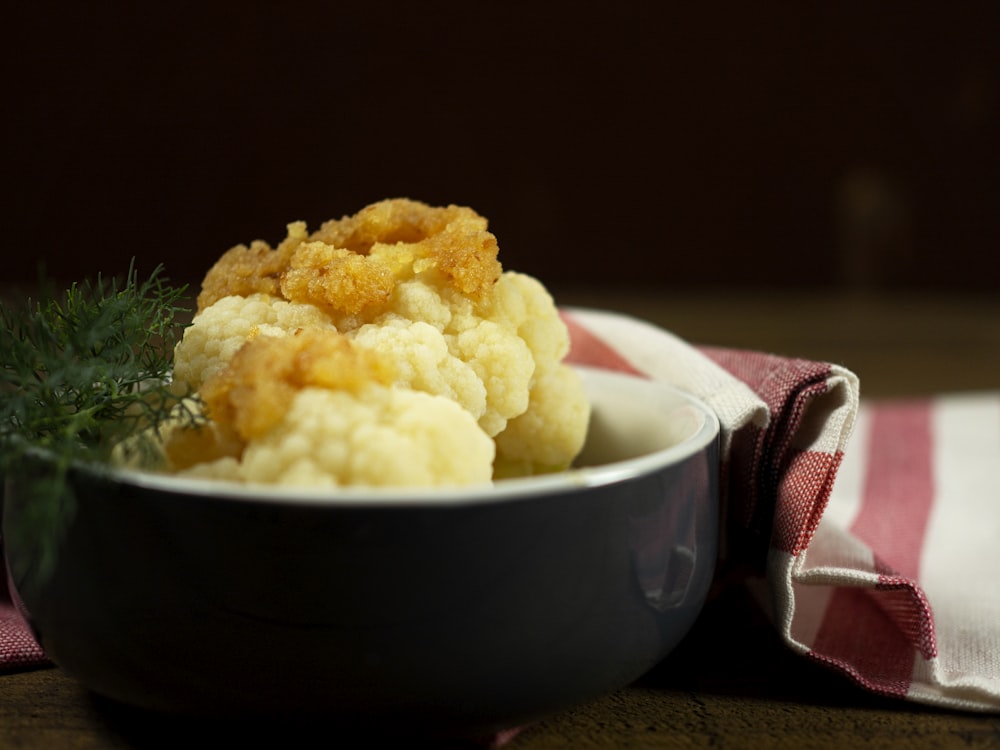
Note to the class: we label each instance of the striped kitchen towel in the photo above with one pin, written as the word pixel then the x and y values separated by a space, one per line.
pixel 876 525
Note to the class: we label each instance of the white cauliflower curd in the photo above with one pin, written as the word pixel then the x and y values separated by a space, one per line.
pixel 385 348
pixel 379 437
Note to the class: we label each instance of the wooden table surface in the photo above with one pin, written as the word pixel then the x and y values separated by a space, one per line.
pixel 731 683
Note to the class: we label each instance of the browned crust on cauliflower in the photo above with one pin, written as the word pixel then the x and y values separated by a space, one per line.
pixel 253 392
pixel 351 265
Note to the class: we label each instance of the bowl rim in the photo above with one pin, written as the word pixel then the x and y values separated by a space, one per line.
pixel 575 478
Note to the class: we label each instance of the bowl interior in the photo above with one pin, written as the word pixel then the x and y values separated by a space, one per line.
pixel 641 423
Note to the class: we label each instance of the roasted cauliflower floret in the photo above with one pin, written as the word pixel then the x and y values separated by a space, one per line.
pixel 379 437
pixel 407 299
pixel 219 331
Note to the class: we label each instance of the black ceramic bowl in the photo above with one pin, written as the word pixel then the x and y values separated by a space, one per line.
pixel 452 610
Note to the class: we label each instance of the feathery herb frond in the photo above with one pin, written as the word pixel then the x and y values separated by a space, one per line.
pixel 80 374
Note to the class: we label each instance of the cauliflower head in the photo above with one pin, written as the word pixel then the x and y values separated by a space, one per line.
pixel 321 356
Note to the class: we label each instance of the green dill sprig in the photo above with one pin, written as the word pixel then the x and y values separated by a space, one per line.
pixel 79 375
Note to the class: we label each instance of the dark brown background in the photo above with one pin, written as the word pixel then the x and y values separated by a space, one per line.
pixel 744 144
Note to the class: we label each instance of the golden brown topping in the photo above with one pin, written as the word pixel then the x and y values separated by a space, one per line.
pixel 255 389
pixel 351 264
pixel 336 280
pixel 189 446
pixel 454 239
pixel 243 270
pixel 388 222
pixel 466 257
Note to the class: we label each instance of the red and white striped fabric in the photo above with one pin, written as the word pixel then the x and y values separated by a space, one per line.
pixel 18 648
pixel 887 574
pixel 907 554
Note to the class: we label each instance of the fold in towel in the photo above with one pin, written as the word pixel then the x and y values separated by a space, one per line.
pixel 876 524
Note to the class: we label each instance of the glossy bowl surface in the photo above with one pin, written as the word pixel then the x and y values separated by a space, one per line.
pixel 452 610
